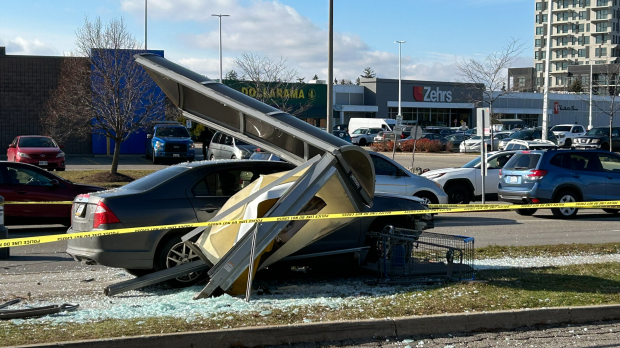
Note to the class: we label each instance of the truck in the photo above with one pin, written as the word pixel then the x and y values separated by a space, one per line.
pixel 169 140
pixel 387 124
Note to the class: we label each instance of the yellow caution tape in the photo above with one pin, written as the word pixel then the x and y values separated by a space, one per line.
pixel 16 242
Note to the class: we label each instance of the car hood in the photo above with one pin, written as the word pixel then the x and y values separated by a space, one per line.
pixel 179 139
pixel 87 188
pixel 445 170
pixel 247 148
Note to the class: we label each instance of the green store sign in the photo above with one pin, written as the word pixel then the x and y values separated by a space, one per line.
pixel 295 93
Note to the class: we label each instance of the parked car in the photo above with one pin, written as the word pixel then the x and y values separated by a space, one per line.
pixel 556 176
pixel 567 133
pixel 169 140
pixel 261 155
pixel 194 192
pixel 435 130
pixel 364 136
pixel 464 184
pixel 536 144
pixel 389 136
pixel 342 134
pixel 224 146
pixel 598 138
pixel 21 182
pixel 526 134
pixel 391 177
pixel 456 140
pixel 473 144
pixel 38 150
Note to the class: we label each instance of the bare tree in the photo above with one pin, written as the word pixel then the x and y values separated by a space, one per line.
pixel 606 84
pixel 273 82
pixel 123 98
pixel 490 75
pixel 68 113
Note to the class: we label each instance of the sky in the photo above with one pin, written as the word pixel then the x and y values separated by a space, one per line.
pixel 437 32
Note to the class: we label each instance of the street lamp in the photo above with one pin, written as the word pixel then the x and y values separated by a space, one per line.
pixel 399 117
pixel 590 103
pixel 220 15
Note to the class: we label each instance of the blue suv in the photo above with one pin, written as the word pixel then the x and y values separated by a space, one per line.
pixel 559 176
pixel 170 140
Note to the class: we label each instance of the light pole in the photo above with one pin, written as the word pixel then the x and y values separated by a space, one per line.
pixel 545 115
pixel 590 103
pixel 330 69
pixel 145 3
pixel 220 15
pixel 399 117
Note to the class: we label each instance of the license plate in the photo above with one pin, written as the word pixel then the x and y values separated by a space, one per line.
pixel 42 163
pixel 176 155
pixel 80 209
pixel 513 179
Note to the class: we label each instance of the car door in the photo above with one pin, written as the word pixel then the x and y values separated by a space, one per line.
pixel 211 192
pixel 494 164
pixel 588 176
pixel 388 177
pixel 28 183
pixel 610 165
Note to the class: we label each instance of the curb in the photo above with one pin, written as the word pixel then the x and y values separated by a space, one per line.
pixel 362 329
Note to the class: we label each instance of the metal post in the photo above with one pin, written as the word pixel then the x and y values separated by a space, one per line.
pixel 145 11
pixel 220 16
pixel 330 68
pixel 545 115
pixel 248 289
pixel 400 114
pixel 483 157
pixel 590 103
pixel 4 233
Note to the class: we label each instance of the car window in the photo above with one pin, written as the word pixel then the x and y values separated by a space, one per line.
pixel 585 161
pixel 609 162
pixel 224 183
pixel 498 162
pixel 36 142
pixel 266 170
pixel 580 129
pixel 383 167
pixel 361 131
pixel 523 161
pixel 23 176
pixel 561 160
pixel 216 138
pixel 180 132
pixel 561 129
pixel 228 140
pixel 614 132
pixel 240 142
pixel 598 131
pixel 375 130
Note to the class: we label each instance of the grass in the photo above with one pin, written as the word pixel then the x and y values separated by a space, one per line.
pixel 576 285
pixel 496 251
pixel 87 176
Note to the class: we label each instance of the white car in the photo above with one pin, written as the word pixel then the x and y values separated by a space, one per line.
pixel 393 178
pixel 473 144
pixel 364 136
pixel 536 144
pixel 567 133
pixel 464 184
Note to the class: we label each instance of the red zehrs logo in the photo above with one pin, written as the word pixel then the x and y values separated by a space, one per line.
pixel 556 107
pixel 428 94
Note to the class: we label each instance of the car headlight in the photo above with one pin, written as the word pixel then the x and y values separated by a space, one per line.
pixel 435 176
pixel 60 154
pixel 595 141
pixel 159 145
pixel 23 155
pixel 192 146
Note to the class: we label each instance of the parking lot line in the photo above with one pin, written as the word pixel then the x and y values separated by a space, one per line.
pixel 91 161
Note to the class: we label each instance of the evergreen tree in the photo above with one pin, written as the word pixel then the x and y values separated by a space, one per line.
pixel 316 77
pixel 368 73
pixel 231 75
pixel 335 81
pixel 357 81
pixel 576 86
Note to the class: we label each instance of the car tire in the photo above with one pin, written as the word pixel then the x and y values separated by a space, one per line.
pixel 155 159
pixel 362 142
pixel 212 158
pixel 605 147
pixel 428 197
pixel 565 197
pixel 60 169
pixel 526 212
pixel 612 211
pixel 458 194
pixel 568 143
pixel 233 157
pixel 175 253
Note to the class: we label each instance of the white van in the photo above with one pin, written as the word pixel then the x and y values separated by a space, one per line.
pixel 386 124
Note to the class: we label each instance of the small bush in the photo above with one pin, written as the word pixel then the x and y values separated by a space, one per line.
pixel 423 145
pixel 406 146
pixel 384 146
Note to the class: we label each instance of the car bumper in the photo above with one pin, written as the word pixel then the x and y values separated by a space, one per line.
pixel 186 155
pixel 50 163
pixel 587 146
pixel 520 197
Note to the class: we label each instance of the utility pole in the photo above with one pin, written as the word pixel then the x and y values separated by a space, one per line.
pixel 590 85
pixel 145 26
pixel 399 117
pixel 330 69
pixel 545 115
pixel 220 16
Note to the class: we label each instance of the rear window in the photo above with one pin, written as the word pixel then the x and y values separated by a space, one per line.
pixel 523 161
pixel 152 180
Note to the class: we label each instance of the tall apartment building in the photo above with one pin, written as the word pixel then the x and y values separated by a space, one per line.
pixel 583 32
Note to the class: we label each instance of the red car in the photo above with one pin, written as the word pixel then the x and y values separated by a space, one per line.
pixel 39 150
pixel 21 182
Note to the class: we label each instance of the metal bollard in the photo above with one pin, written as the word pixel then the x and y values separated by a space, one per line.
pixel 4 233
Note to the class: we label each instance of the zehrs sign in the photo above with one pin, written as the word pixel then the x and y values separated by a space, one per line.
pixel 432 94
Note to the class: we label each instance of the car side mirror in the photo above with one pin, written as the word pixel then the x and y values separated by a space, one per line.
pixel 149 136
pixel 54 183
pixel 61 146
pixel 12 146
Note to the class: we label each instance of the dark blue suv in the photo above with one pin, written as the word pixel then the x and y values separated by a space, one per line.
pixel 558 176
pixel 170 140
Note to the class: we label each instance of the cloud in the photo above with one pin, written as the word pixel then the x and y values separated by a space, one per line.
pixel 27 46
pixel 274 29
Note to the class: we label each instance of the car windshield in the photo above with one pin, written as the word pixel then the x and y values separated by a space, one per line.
pixel 361 131
pixel 36 142
pixel 476 137
pixel 154 179
pixel 522 161
pixel 598 131
pixel 561 129
pixel 519 135
pixel 473 163
pixel 180 132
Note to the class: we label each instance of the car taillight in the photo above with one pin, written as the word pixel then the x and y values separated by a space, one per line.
pixel 104 215
pixel 500 173
pixel 536 174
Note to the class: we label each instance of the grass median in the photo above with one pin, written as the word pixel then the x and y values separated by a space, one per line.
pixel 575 285
pixel 103 178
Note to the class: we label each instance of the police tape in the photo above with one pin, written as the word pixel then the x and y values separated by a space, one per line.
pixel 17 242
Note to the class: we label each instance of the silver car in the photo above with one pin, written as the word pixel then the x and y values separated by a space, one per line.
pixel 224 146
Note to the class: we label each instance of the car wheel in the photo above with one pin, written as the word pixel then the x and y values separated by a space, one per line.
pixel 566 213
pixel 568 143
pixel 612 211
pixel 212 158
pixel 605 147
pixel 427 197
pixel 526 212
pixel 233 157
pixel 458 194
pixel 175 253
pixel 155 159
pixel 363 142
